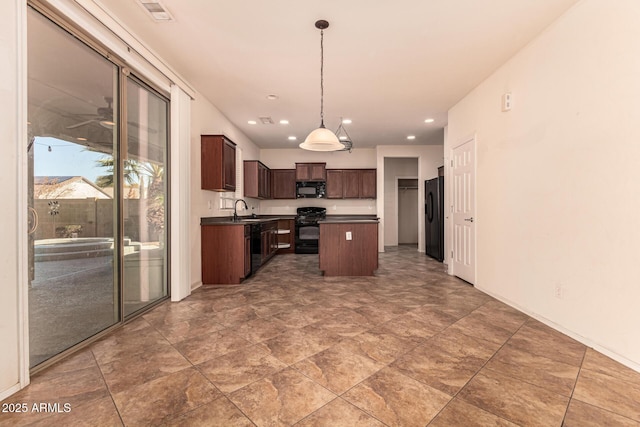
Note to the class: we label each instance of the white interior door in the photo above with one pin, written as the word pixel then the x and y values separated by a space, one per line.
pixel 463 159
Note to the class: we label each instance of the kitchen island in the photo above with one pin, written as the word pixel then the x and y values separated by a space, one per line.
pixel 348 247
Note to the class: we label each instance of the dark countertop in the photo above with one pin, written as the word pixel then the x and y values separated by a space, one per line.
pixel 349 218
pixel 225 220
pixel 244 220
pixel 348 221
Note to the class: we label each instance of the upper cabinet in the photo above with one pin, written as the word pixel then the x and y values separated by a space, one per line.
pixel 368 181
pixel 334 184
pixel 257 180
pixel 311 172
pixel 283 183
pixel 351 183
pixel 218 163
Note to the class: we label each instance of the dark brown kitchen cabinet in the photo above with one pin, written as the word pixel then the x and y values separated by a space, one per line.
pixel 283 183
pixel 269 240
pixel 351 183
pixel 218 163
pixel 257 180
pixel 334 184
pixel 368 181
pixel 311 172
pixel 226 253
pixel 247 252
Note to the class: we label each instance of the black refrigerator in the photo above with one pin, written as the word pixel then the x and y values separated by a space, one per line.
pixel 434 216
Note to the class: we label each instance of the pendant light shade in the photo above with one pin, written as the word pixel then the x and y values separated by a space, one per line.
pixel 322 139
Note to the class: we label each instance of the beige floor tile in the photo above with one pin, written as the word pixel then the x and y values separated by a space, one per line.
pixel 610 393
pixel 338 368
pixel 397 400
pixel 514 400
pixel 339 413
pixel 189 328
pixel 259 330
pixel 205 347
pixel 281 399
pixel 537 338
pixel 157 401
pixel 127 372
pixel 444 364
pixel 392 343
pixel 219 413
pixel 598 362
pixel 101 412
pixel 581 414
pixel 549 374
pixel 239 368
pixel 297 344
pixel 460 413
pixel 385 347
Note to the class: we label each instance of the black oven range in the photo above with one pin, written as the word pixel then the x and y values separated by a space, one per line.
pixel 307 229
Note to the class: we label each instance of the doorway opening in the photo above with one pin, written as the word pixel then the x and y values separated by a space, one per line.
pixel 408 211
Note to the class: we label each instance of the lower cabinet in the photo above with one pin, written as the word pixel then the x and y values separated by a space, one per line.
pixel 226 253
pixel 247 252
pixel 268 240
pixel 286 236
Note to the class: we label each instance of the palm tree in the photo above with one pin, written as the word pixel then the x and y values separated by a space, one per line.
pixel 131 173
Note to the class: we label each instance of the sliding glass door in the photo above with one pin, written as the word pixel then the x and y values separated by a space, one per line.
pixel 97 190
pixel 144 197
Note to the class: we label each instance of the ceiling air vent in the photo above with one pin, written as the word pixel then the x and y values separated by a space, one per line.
pixel 156 10
pixel 266 120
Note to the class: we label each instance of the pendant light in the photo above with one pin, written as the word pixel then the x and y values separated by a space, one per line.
pixel 322 139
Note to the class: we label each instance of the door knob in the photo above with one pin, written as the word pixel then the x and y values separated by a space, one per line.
pixel 469 219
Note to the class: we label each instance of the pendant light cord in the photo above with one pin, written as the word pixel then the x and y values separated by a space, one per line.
pixel 321 78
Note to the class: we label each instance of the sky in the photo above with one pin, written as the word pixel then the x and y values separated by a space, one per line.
pixel 65 159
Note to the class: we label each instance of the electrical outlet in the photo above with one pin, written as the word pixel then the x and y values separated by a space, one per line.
pixel 558 291
pixel 349 236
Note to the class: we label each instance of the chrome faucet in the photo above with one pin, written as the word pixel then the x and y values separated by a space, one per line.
pixel 235 207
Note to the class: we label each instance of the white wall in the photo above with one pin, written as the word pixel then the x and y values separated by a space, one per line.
pixel 207 119
pixel 557 177
pixel 430 157
pixel 360 158
pixel 396 168
pixel 12 165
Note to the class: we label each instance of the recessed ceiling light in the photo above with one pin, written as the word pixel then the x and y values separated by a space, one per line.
pixel 292 138
pixel 284 122
pixel 346 121
pixel 81 139
pixel 272 97
pixel 429 121
pixel 252 122
pixel 411 137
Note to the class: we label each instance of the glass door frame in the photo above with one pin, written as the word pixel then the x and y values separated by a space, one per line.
pixel 120 109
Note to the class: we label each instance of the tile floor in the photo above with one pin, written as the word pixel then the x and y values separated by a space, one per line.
pixel 408 347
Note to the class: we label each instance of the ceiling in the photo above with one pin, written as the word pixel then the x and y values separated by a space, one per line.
pixel 388 66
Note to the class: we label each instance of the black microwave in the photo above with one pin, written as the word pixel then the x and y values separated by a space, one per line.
pixel 314 190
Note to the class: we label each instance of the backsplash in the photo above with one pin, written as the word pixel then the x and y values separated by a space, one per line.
pixel 333 206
